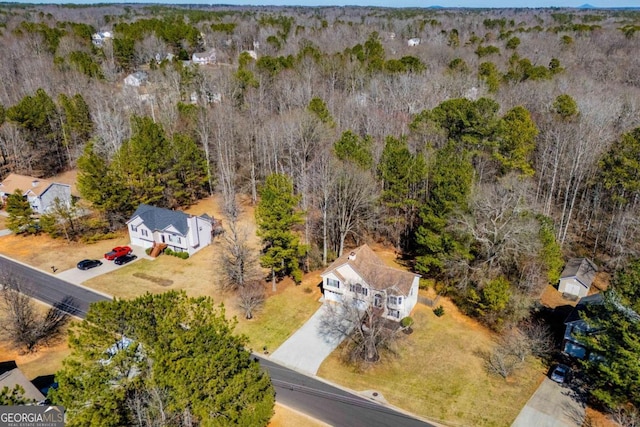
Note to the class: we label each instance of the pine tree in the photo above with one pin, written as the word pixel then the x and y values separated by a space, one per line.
pixel 276 215
pixel 403 175
pixel 169 359
pixel 20 214
pixel 450 181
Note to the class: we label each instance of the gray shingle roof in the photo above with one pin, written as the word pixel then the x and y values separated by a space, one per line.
pixel 157 219
pixel 582 269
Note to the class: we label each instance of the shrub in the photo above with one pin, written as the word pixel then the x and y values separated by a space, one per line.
pixel 181 255
pixel 148 251
pixel 406 322
pixel 439 311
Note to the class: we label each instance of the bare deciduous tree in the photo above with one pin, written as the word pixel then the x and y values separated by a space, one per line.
pixel 239 261
pixel 23 324
pixel 367 331
pixel 251 296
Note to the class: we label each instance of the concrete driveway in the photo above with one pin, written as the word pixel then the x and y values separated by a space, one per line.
pixel 77 276
pixel 307 348
pixel 552 405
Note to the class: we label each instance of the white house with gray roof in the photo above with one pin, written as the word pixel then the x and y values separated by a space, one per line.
pixel 577 277
pixel 180 231
pixel 362 276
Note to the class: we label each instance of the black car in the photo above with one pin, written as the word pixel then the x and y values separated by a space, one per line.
pixel 86 264
pixel 124 259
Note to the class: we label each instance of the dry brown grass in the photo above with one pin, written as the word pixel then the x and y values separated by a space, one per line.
pixel 439 373
pixel 46 360
pixel 287 417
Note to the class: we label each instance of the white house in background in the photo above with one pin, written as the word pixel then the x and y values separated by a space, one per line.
pixel 413 42
pixel 577 277
pixel 100 37
pixel 181 232
pixel 204 58
pixel 136 79
pixel 40 193
pixel 361 275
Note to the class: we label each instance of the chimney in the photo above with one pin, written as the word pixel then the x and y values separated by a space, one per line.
pixel 35 183
pixel 352 256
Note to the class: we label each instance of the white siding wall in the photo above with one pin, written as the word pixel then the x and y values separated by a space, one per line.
pixel 571 285
pixel 60 191
pixel 411 300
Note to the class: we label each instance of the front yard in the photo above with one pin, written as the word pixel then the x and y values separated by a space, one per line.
pixel 439 373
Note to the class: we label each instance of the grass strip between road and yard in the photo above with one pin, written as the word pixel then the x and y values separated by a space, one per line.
pixel 439 373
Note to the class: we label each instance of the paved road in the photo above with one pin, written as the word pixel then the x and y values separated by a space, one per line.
pixel 307 348
pixel 330 404
pixel 552 405
pixel 49 289
pixel 306 394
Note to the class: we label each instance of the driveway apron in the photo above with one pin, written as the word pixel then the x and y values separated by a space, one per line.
pixel 307 348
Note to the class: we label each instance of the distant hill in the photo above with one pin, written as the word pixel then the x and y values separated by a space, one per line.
pixel 587 6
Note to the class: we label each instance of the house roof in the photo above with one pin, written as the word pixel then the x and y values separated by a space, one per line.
pixel 207 54
pixel 160 218
pixel 583 269
pixel 582 305
pixel 24 183
pixel 11 375
pixel 373 270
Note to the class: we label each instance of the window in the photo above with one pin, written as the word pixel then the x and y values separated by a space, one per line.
pixel 393 300
pixel 394 313
pixel 144 232
pixel 359 289
pixel 134 228
pixel 377 300
pixel 333 283
pixel 179 240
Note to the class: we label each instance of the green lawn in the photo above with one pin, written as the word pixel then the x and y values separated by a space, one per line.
pixel 439 373
pixel 281 316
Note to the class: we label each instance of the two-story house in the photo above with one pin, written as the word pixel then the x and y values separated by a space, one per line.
pixel 363 277
pixel 179 231
pixel 41 193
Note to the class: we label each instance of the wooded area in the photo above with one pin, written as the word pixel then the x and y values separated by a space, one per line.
pixel 497 144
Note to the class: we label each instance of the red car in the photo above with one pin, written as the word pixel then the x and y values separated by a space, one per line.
pixel 117 251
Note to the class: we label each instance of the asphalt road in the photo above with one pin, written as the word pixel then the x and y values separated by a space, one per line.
pixel 330 404
pixel 316 398
pixel 73 299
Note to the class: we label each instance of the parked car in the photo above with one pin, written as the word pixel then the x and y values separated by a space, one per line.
pixel 86 264
pixel 124 259
pixel 117 251
pixel 561 374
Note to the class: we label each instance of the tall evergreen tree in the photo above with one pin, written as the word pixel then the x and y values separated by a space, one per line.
pixel 350 147
pixel 143 163
pixel 276 216
pixel 167 359
pixel 188 180
pixel 38 117
pixel 98 184
pixel 403 177
pixel 20 214
pixel 614 376
pixel 450 180
pixel 516 133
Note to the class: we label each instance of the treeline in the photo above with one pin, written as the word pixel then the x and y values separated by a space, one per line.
pixel 484 154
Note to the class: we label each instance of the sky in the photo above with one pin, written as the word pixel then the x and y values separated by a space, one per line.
pixel 444 3
pixel 382 3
